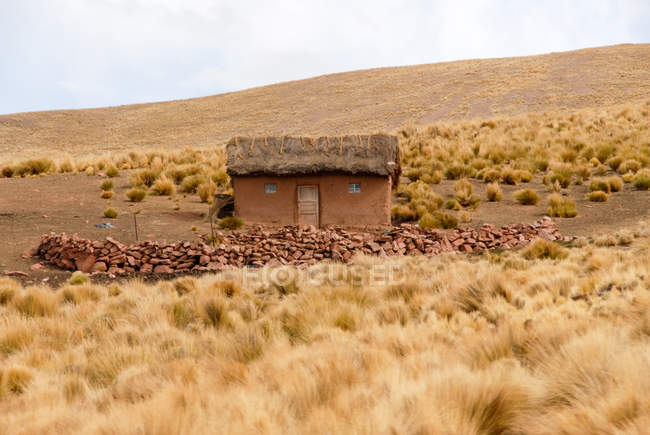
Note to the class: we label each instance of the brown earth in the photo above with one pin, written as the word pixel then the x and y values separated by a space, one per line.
pixel 31 207
pixel 351 102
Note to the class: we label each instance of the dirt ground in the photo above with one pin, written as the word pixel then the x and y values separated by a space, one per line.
pixel 32 207
pixel 624 209
pixel 71 203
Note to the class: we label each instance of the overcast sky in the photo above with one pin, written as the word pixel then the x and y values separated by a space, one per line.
pixel 59 54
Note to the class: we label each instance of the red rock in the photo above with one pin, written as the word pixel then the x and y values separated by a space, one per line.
pixel 32 252
pixel 85 263
pixel 15 273
pixel 162 268
pixel 146 268
pixel 204 259
pixel 374 246
pixel 37 266
pixel 99 266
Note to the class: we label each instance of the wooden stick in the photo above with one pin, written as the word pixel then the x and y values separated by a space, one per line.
pixel 135 223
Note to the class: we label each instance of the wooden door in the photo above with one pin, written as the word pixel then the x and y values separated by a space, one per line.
pixel 308 205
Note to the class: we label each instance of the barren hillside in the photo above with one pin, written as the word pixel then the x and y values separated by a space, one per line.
pixel 358 101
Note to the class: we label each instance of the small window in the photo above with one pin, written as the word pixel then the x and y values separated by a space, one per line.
pixel 354 188
pixel 270 188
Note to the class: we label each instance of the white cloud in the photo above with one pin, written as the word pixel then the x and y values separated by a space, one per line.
pixel 71 53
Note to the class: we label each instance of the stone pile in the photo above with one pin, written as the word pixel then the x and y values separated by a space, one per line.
pixel 291 245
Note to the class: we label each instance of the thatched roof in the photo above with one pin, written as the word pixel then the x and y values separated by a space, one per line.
pixel 376 154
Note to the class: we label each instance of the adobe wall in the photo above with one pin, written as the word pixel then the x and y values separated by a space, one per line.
pixel 336 205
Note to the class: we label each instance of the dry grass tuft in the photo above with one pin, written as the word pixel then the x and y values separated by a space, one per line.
pixel 463 194
pixel 600 184
pixel 35 302
pixel 615 183
pixel 561 207
pixel 78 278
pixel 163 186
pixel 110 213
pixel 206 191
pixel 438 220
pixel 493 192
pixel 106 185
pixel 136 194
pixel 231 223
pixel 526 197
pixel 542 249
pixel 642 180
pixel 598 196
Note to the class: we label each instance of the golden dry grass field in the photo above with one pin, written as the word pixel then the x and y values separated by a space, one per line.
pixel 552 338
pixel 351 102
pixel 545 340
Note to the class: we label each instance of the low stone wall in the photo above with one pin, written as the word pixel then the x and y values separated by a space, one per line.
pixel 287 245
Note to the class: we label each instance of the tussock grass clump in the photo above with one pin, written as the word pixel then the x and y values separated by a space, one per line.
pixel 615 183
pixel 79 278
pixel 191 184
pixel 231 223
pixel 8 289
pixel 599 184
pixel 106 185
pixel 463 194
pixel 438 220
pixel 598 196
pixel 458 171
pixel 220 177
pixel 510 176
pixel 526 197
pixel 600 170
pixel 524 175
pixel 110 213
pixel 434 177
pixel 541 249
pixel 631 165
pixel 563 174
pixel 144 177
pixel 7 171
pixel 163 186
pixel 421 199
pixel 206 191
pixel 491 175
pixel 642 180
pixel 15 380
pixel 35 302
pixel 561 207
pixel 494 192
pixel 136 194
pixel 112 172
pixel 452 204
pixel 628 177
pixel 35 167
pixel 66 166
pixel 401 213
pixel 185 285
pixel 107 194
pixel 15 338
pixel 75 388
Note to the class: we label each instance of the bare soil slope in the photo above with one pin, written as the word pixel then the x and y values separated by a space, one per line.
pixel 358 101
